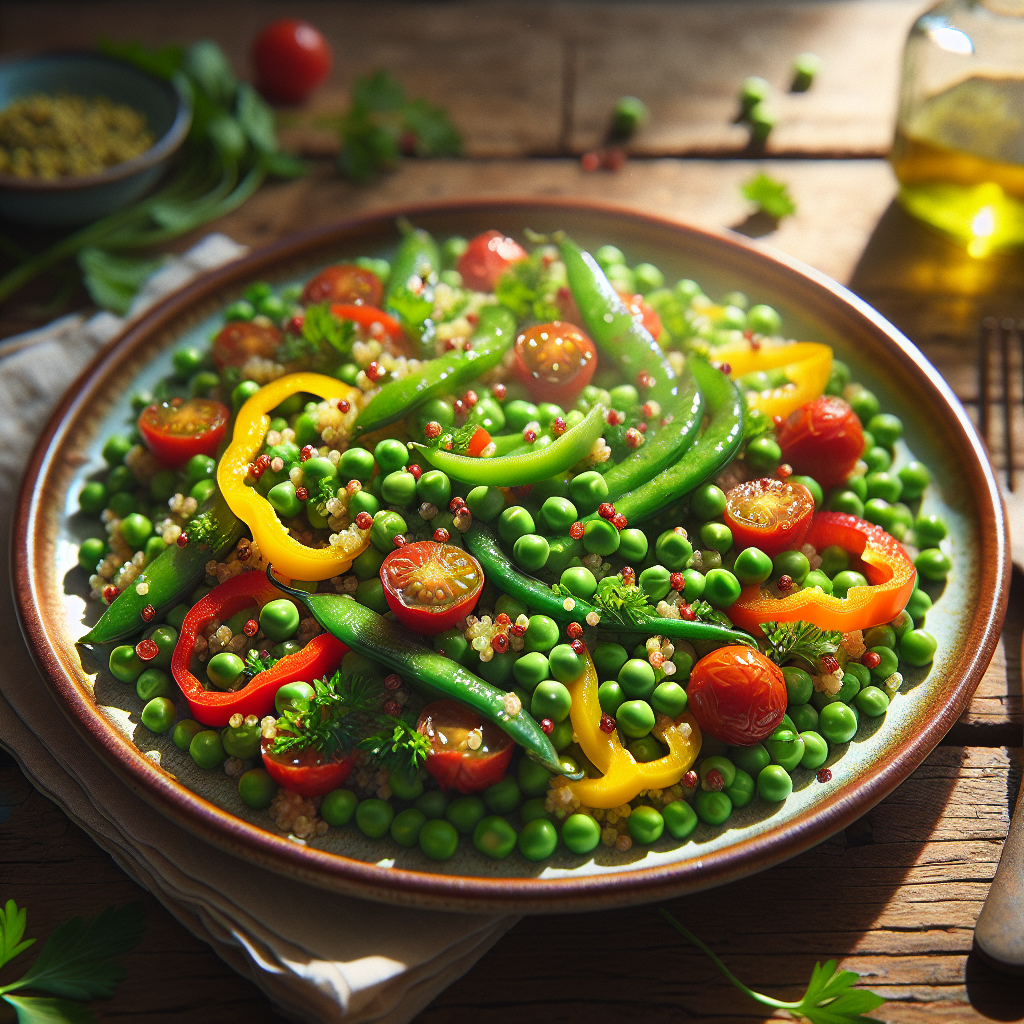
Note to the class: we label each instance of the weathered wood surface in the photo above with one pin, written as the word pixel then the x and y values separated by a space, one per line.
pixel 894 898
pixel 553 71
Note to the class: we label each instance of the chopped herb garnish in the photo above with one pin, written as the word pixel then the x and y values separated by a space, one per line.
pixel 397 746
pixel 529 286
pixel 770 195
pixel 254 664
pixel 789 640
pixel 626 602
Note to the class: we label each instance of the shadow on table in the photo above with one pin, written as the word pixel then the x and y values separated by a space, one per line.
pixel 996 995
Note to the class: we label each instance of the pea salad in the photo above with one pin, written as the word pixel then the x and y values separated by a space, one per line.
pixel 512 547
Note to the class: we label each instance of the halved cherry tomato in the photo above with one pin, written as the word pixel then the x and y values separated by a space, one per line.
pixel 880 557
pixel 175 431
pixel 488 257
pixel 772 515
pixel 555 361
pixel 306 772
pixel 239 340
pixel 291 59
pixel 430 586
pixel 467 754
pixel 737 695
pixel 822 439
pixel 375 322
pixel 478 442
pixel 344 283
pixel 638 308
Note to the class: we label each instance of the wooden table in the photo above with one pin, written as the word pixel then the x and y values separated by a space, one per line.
pixel 896 895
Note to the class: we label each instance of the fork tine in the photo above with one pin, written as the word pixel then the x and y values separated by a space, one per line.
pixel 1005 334
pixel 987 326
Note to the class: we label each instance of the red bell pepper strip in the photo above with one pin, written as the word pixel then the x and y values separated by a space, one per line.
pixel 320 657
pixel 889 572
pixel 367 316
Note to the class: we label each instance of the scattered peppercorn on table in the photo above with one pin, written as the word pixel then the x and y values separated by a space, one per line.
pixel 895 896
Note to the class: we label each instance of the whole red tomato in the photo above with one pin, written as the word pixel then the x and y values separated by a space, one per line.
pixel 291 59
pixel 772 515
pixel 345 283
pixel 555 361
pixel 430 586
pixel 488 257
pixel 175 431
pixel 239 340
pixel 467 754
pixel 822 439
pixel 737 695
pixel 305 771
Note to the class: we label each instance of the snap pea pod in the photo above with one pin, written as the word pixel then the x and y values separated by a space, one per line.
pixel 539 597
pixel 170 576
pixel 413 274
pixel 526 467
pixel 506 444
pixel 363 630
pixel 716 446
pixel 622 337
pixel 494 336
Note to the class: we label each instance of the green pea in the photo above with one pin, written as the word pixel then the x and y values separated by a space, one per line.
pixel 918 605
pixel 845 581
pixel 386 527
pixel 880 636
pixel 752 567
pixel 886 486
pixel 721 588
pixel 872 701
pixel 680 819
pixel 566 665
pixel 184 732
pixel 534 809
pixel 538 839
pixel 637 679
pixel 600 537
pixel 793 564
pixel 355 464
pixel 361 501
pixel 609 658
pixel 930 529
pixel 694 585
pixel 494 837
pixel 720 764
pixel 673 550
pixel 504 796
pixel 465 813
pixel 669 698
pixel 864 404
pixel 515 522
pixel 581 833
pixel 834 559
pixel 153 683
pixel 550 700
pixel 803 716
pixel 90 553
pixel 763 319
pixel 531 669
pixel 712 808
pixel 708 502
pixel 610 697
pixel 121 478
pixel 815 750
pixel 125 664
pixel 295 696
pixel 774 783
pixel 837 723
pixel 398 488
pixel 206 749
pixel 279 619
pixel 763 454
pixel 917 648
pixel 519 413
pixel 647 748
pixel 339 805
pixel 933 565
pixel 741 790
pixel 438 839
pixel 915 477
pixel 531 552
pixel 158 715
pixel 816 578
pixel 813 486
pixel 878 460
pixel 716 536
pixel 224 670
pixel 405 829
pixel 785 748
pixel 390 455
pixel 751 759
pixel 845 501
pixel 92 498
pixel 374 817
pixel 433 803
pixel 117 446
pixel 136 530
pixel 645 825
pixel 282 496
pixel 155 547
pixel 635 718
pixel 799 685
pixel 541 634
pixel 241 741
pixel 655 581
pixel 609 256
pixel 886 429
pixel 587 491
pixel 257 789
pixel 861 673
pixel 533 778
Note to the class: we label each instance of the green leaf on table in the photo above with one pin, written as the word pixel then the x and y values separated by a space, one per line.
pixel 206 63
pixel 12 928
pixel 770 195
pixel 228 136
pixel 113 281
pixel 162 63
pixel 256 119
pixel 283 165
pixel 43 1010
pixel 434 133
pixel 76 961
pixel 377 93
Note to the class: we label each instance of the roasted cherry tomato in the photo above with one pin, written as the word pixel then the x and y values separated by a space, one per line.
pixel 647 316
pixel 772 515
pixel 306 771
pixel 467 754
pixel 737 695
pixel 291 59
pixel 240 340
pixel 555 361
pixel 430 586
pixel 175 431
pixel 345 283
pixel 375 322
pixel 822 439
pixel 488 257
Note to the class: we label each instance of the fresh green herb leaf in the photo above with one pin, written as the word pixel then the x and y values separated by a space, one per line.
pixel 206 63
pixel 529 287
pixel 283 165
pixel 256 119
pixel 202 527
pixel 756 424
pixel 162 63
pixel 326 489
pixel 321 327
pixel 397 746
pixel 627 603
pixel 254 664
pixel 829 999
pixel 456 441
pixel 433 132
pixel 378 93
pixel 789 640
pixel 42 1010
pixel 112 280
pixel 413 312
pixel 770 195
pixel 12 928
pixel 704 611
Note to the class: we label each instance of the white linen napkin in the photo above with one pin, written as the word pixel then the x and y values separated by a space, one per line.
pixel 319 956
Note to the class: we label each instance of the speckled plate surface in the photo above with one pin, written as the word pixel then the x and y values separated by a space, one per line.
pixel 50 589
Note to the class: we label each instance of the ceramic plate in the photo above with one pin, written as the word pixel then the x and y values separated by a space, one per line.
pixel 50 590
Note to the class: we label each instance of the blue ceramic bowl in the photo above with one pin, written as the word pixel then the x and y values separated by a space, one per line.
pixel 68 201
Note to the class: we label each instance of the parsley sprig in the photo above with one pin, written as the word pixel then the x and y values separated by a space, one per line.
pixel 324 338
pixel 789 640
pixel 829 999
pixel 627 603
pixel 74 964
pixel 254 664
pixel 456 441
pixel 770 195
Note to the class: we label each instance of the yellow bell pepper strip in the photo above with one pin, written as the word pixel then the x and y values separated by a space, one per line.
pixel 807 366
pixel 623 777
pixel 289 556
pixel 887 567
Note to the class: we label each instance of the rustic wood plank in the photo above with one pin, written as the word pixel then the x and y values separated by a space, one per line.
pixel 686 61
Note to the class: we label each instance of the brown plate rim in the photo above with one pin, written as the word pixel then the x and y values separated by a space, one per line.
pixel 461 893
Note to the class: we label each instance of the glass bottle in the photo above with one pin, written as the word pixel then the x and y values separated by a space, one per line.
pixel 959 146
